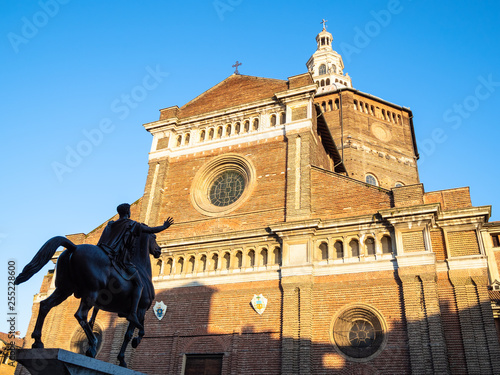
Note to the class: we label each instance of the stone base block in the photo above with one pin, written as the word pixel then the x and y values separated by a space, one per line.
pixel 59 362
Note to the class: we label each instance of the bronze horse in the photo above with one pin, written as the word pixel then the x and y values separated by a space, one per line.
pixel 87 272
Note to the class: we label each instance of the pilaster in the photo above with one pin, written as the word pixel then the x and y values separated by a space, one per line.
pixel 423 316
pixel 481 346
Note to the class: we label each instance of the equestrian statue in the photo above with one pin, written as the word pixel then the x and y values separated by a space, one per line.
pixel 114 276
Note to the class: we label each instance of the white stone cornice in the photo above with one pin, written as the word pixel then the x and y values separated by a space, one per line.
pixel 421 258
pixel 464 216
pixel 215 278
pixel 201 242
pixel 233 141
pixel 398 215
pixel 302 92
pixel 302 270
pixel 467 262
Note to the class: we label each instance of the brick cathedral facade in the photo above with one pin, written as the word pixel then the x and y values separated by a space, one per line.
pixel 305 191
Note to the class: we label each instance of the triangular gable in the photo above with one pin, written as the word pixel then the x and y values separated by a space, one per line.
pixel 233 91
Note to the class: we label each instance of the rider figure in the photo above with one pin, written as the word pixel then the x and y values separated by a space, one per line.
pixel 118 238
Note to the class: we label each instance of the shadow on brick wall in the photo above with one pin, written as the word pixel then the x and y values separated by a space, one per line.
pixel 220 320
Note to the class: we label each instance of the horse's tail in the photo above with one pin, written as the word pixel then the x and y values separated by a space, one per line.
pixel 43 256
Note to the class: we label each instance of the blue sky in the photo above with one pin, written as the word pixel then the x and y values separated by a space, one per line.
pixel 80 78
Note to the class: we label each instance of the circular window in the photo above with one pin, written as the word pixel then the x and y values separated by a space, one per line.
pixel 222 185
pixel 358 333
pixel 226 188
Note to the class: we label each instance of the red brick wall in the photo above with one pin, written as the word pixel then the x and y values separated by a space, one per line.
pixel 379 290
pixel 335 196
pixel 450 199
pixel 391 160
pixel 265 205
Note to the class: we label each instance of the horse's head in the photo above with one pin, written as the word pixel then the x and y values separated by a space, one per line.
pixel 154 248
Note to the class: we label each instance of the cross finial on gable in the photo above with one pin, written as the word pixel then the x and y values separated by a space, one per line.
pixel 236 67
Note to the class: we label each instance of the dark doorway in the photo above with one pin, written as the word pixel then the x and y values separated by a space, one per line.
pixel 203 364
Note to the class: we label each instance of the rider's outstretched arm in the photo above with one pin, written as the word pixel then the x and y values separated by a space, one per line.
pixel 165 225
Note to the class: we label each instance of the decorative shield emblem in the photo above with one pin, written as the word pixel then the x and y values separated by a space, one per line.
pixel 160 309
pixel 259 303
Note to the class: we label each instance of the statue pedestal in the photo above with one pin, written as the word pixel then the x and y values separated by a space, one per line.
pixel 59 361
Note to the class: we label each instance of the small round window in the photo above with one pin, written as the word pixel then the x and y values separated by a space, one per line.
pixel 358 333
pixel 226 188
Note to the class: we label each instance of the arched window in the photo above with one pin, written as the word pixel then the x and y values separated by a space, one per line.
pixel 394 117
pixel 386 245
pixel 228 130
pixel 370 246
pixel 179 140
pixel 219 132
pixel 179 266
pixel 337 104
pixel 256 124
pixel 202 135
pixel 157 268
pixel 187 138
pixel 361 106
pixel 263 256
pixel 168 271
pixel 237 128
pixel 339 249
pixel 239 259
pixel 322 69
pixel 203 263
pixel 247 126
pixel 211 134
pixel 277 255
pixel 372 110
pixel 330 105
pixel 282 117
pixel 323 248
pixel 323 106
pixel 371 179
pixel 227 261
pixel 215 261
pixel 334 68
pixel 322 82
pixel 356 105
pixel 366 107
pixel 251 258
pixel 399 119
pixel 191 265
pixel 354 247
pixel 273 120
pixel 328 81
pixel 383 114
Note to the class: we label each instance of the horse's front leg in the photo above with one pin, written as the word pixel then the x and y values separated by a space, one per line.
pixel 81 315
pixel 46 305
pixel 126 340
pixel 137 340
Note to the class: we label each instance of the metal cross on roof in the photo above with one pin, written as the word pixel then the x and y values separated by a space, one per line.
pixel 323 21
pixel 236 67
